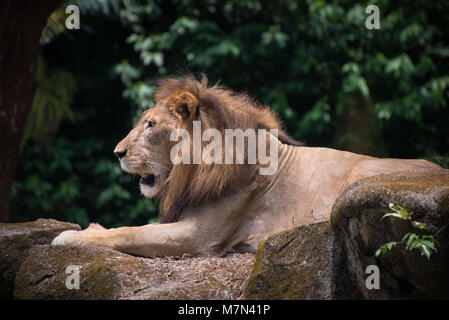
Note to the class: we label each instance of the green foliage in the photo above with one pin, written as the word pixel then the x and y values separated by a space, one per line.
pixel 75 176
pixel 424 243
pixel 55 26
pixel 333 81
pixel 383 249
pixel 399 212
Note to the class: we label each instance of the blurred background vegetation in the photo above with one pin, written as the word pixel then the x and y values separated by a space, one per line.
pixel 334 83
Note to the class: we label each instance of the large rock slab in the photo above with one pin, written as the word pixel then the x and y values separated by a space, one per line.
pixel 301 263
pixel 107 274
pixel 16 239
pixel 356 217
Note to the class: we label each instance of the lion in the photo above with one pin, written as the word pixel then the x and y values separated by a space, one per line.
pixel 213 208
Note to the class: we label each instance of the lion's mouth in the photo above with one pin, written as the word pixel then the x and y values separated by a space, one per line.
pixel 147 180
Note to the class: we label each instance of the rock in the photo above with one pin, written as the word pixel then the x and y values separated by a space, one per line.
pixel 301 263
pixel 16 239
pixel 356 217
pixel 36 270
pixel 108 274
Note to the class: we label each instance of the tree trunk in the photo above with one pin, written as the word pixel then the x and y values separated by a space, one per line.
pixel 21 24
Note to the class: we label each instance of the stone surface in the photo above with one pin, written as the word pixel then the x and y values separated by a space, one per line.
pixel 108 274
pixel 16 239
pixel 356 217
pixel 302 263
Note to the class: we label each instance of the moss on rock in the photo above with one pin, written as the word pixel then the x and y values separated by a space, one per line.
pixel 108 274
pixel 16 239
pixel 356 217
pixel 295 264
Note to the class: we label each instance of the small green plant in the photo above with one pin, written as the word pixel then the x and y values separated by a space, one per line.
pixel 425 243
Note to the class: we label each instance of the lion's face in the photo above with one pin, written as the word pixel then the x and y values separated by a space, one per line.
pixel 146 149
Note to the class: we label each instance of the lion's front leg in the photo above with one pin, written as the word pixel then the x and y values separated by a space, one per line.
pixel 149 240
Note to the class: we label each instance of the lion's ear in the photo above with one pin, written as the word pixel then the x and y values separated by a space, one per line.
pixel 183 104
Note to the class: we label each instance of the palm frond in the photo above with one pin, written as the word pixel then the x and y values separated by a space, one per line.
pixel 55 26
pixel 51 104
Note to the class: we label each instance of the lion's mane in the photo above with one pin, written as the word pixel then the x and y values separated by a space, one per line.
pixel 191 184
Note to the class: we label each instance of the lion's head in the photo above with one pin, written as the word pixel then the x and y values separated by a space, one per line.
pixel 146 149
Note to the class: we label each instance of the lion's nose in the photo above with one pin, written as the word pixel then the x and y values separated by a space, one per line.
pixel 120 153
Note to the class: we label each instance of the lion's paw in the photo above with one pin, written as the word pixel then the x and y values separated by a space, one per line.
pixel 66 238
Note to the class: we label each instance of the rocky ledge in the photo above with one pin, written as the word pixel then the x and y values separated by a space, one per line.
pixel 107 274
pixel 404 274
pixel 16 240
pixel 33 269
pixel 329 260
pixel 326 260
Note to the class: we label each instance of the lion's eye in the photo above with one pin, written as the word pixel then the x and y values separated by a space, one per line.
pixel 150 124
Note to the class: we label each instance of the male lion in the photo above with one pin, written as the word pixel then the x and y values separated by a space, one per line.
pixel 209 209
